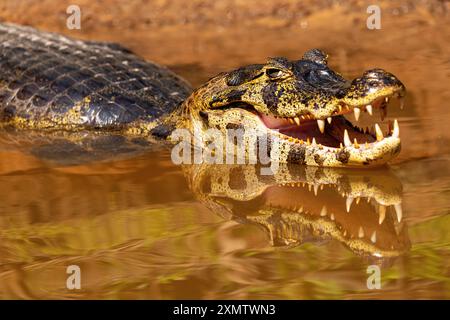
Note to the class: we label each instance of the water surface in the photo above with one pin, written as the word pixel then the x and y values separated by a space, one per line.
pixel 140 227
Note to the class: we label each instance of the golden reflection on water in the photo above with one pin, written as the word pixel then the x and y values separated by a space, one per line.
pixel 140 227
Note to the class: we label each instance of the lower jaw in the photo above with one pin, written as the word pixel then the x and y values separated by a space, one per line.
pixel 306 144
pixel 312 154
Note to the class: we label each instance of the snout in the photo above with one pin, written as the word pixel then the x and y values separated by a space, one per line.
pixel 379 79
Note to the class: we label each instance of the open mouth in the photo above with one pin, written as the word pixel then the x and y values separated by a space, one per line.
pixel 336 131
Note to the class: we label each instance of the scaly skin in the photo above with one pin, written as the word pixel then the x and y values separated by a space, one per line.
pixel 49 82
pixel 360 209
pixel 298 91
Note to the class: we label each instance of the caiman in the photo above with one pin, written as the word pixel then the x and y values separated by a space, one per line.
pixel 49 83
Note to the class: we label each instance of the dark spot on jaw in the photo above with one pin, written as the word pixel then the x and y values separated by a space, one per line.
pixel 236 179
pixel 270 97
pixel 343 156
pixel 297 155
pixel 234 126
pixel 318 159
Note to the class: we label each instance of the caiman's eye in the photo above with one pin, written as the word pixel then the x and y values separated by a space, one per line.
pixel 274 73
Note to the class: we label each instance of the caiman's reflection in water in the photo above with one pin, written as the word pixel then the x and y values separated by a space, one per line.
pixel 360 209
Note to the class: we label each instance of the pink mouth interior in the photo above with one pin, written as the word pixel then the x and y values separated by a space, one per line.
pixel 308 129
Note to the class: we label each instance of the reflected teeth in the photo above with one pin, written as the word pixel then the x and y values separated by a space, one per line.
pixel 323 212
pixel 361 232
pixel 398 211
pixel 382 214
pixel 378 132
pixel 396 132
pixel 357 112
pixel 347 141
pixel 369 109
pixel 321 124
pixel 329 120
pixel 373 238
pixel 348 203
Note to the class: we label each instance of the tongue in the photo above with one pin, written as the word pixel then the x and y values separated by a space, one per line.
pixel 274 123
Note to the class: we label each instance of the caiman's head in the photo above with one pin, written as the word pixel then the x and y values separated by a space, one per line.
pixel 302 103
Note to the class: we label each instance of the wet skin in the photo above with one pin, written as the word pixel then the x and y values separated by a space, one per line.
pixel 53 83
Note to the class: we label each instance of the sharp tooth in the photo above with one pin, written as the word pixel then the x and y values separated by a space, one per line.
pixel 291 120
pixel 361 232
pixel 308 142
pixel 369 109
pixel 396 133
pixel 347 141
pixel 357 112
pixel 297 121
pixel 316 189
pixel 323 212
pixel 355 144
pixel 398 211
pixel 382 214
pixel 378 132
pixel 321 124
pixel 348 203
pixel 329 120
pixel 313 141
pixel 373 238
